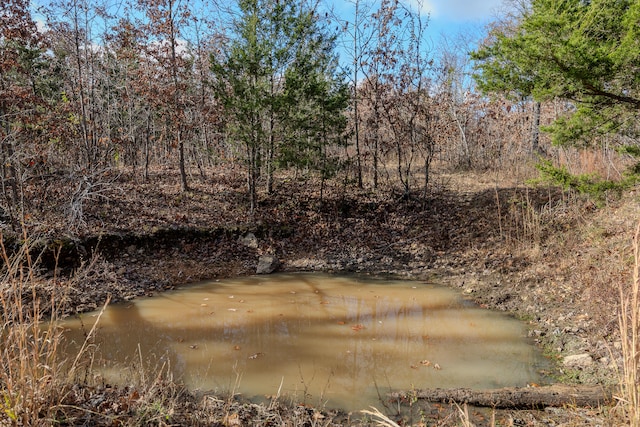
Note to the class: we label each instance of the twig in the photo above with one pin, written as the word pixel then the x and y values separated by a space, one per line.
pixel 87 338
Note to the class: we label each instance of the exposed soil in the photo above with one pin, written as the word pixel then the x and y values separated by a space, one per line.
pixel 544 256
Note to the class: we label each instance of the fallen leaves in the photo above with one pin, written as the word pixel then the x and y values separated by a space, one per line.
pixel 426 363
pixel 231 420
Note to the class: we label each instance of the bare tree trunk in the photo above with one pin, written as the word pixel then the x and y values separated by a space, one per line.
pixel 9 175
pixel 183 172
pixel 428 158
pixel 376 130
pixel 272 143
pixel 463 135
pixel 176 101
pixel 404 165
pixel 518 397
pixel 356 122
pixel 356 112
pixel 252 177
pixel 81 89
pixel 535 129
pixel 147 144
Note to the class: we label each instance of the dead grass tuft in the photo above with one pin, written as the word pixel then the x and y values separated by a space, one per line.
pixel 629 321
pixel 30 368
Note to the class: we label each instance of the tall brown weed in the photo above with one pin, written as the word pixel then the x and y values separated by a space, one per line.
pixel 629 321
pixel 29 350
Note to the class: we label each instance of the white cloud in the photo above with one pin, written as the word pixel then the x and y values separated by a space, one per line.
pixel 41 25
pixel 458 10
pixel 424 6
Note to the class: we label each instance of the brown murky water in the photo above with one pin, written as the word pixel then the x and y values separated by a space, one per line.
pixel 318 339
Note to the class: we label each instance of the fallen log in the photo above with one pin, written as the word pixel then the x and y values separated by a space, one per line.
pixel 517 397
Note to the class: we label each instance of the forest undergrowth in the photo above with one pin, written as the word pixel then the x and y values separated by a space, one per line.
pixel 548 256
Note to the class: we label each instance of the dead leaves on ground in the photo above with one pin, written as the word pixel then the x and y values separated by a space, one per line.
pixel 426 363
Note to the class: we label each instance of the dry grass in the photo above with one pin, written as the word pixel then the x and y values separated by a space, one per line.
pixel 379 418
pixel 463 413
pixel 629 321
pixel 528 216
pixel 36 380
pixel 30 368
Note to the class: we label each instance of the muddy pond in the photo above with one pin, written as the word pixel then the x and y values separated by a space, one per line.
pixel 339 341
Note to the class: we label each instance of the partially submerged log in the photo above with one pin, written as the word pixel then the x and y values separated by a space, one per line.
pixel 517 397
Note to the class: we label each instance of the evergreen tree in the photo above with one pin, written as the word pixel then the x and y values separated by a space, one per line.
pixel 314 99
pixel 279 87
pixel 586 52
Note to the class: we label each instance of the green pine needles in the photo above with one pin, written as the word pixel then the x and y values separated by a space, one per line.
pixel 591 185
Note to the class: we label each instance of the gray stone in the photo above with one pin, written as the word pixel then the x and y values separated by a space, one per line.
pixel 578 361
pixel 267 264
pixel 249 240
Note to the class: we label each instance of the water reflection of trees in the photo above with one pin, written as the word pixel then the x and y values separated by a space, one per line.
pixel 354 337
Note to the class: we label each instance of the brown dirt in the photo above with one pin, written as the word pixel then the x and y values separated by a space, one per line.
pixel 540 254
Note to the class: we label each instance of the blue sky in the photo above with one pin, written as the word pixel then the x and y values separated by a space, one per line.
pixel 460 10
pixel 452 16
pixel 447 18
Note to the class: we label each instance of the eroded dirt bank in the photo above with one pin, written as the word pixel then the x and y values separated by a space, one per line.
pixel 539 254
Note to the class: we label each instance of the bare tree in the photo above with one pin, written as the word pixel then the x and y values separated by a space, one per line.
pixel 165 20
pixel 22 101
pixel 358 38
pixel 397 91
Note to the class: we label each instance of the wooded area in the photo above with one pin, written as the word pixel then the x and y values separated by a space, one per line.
pixel 144 142
pixel 88 90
